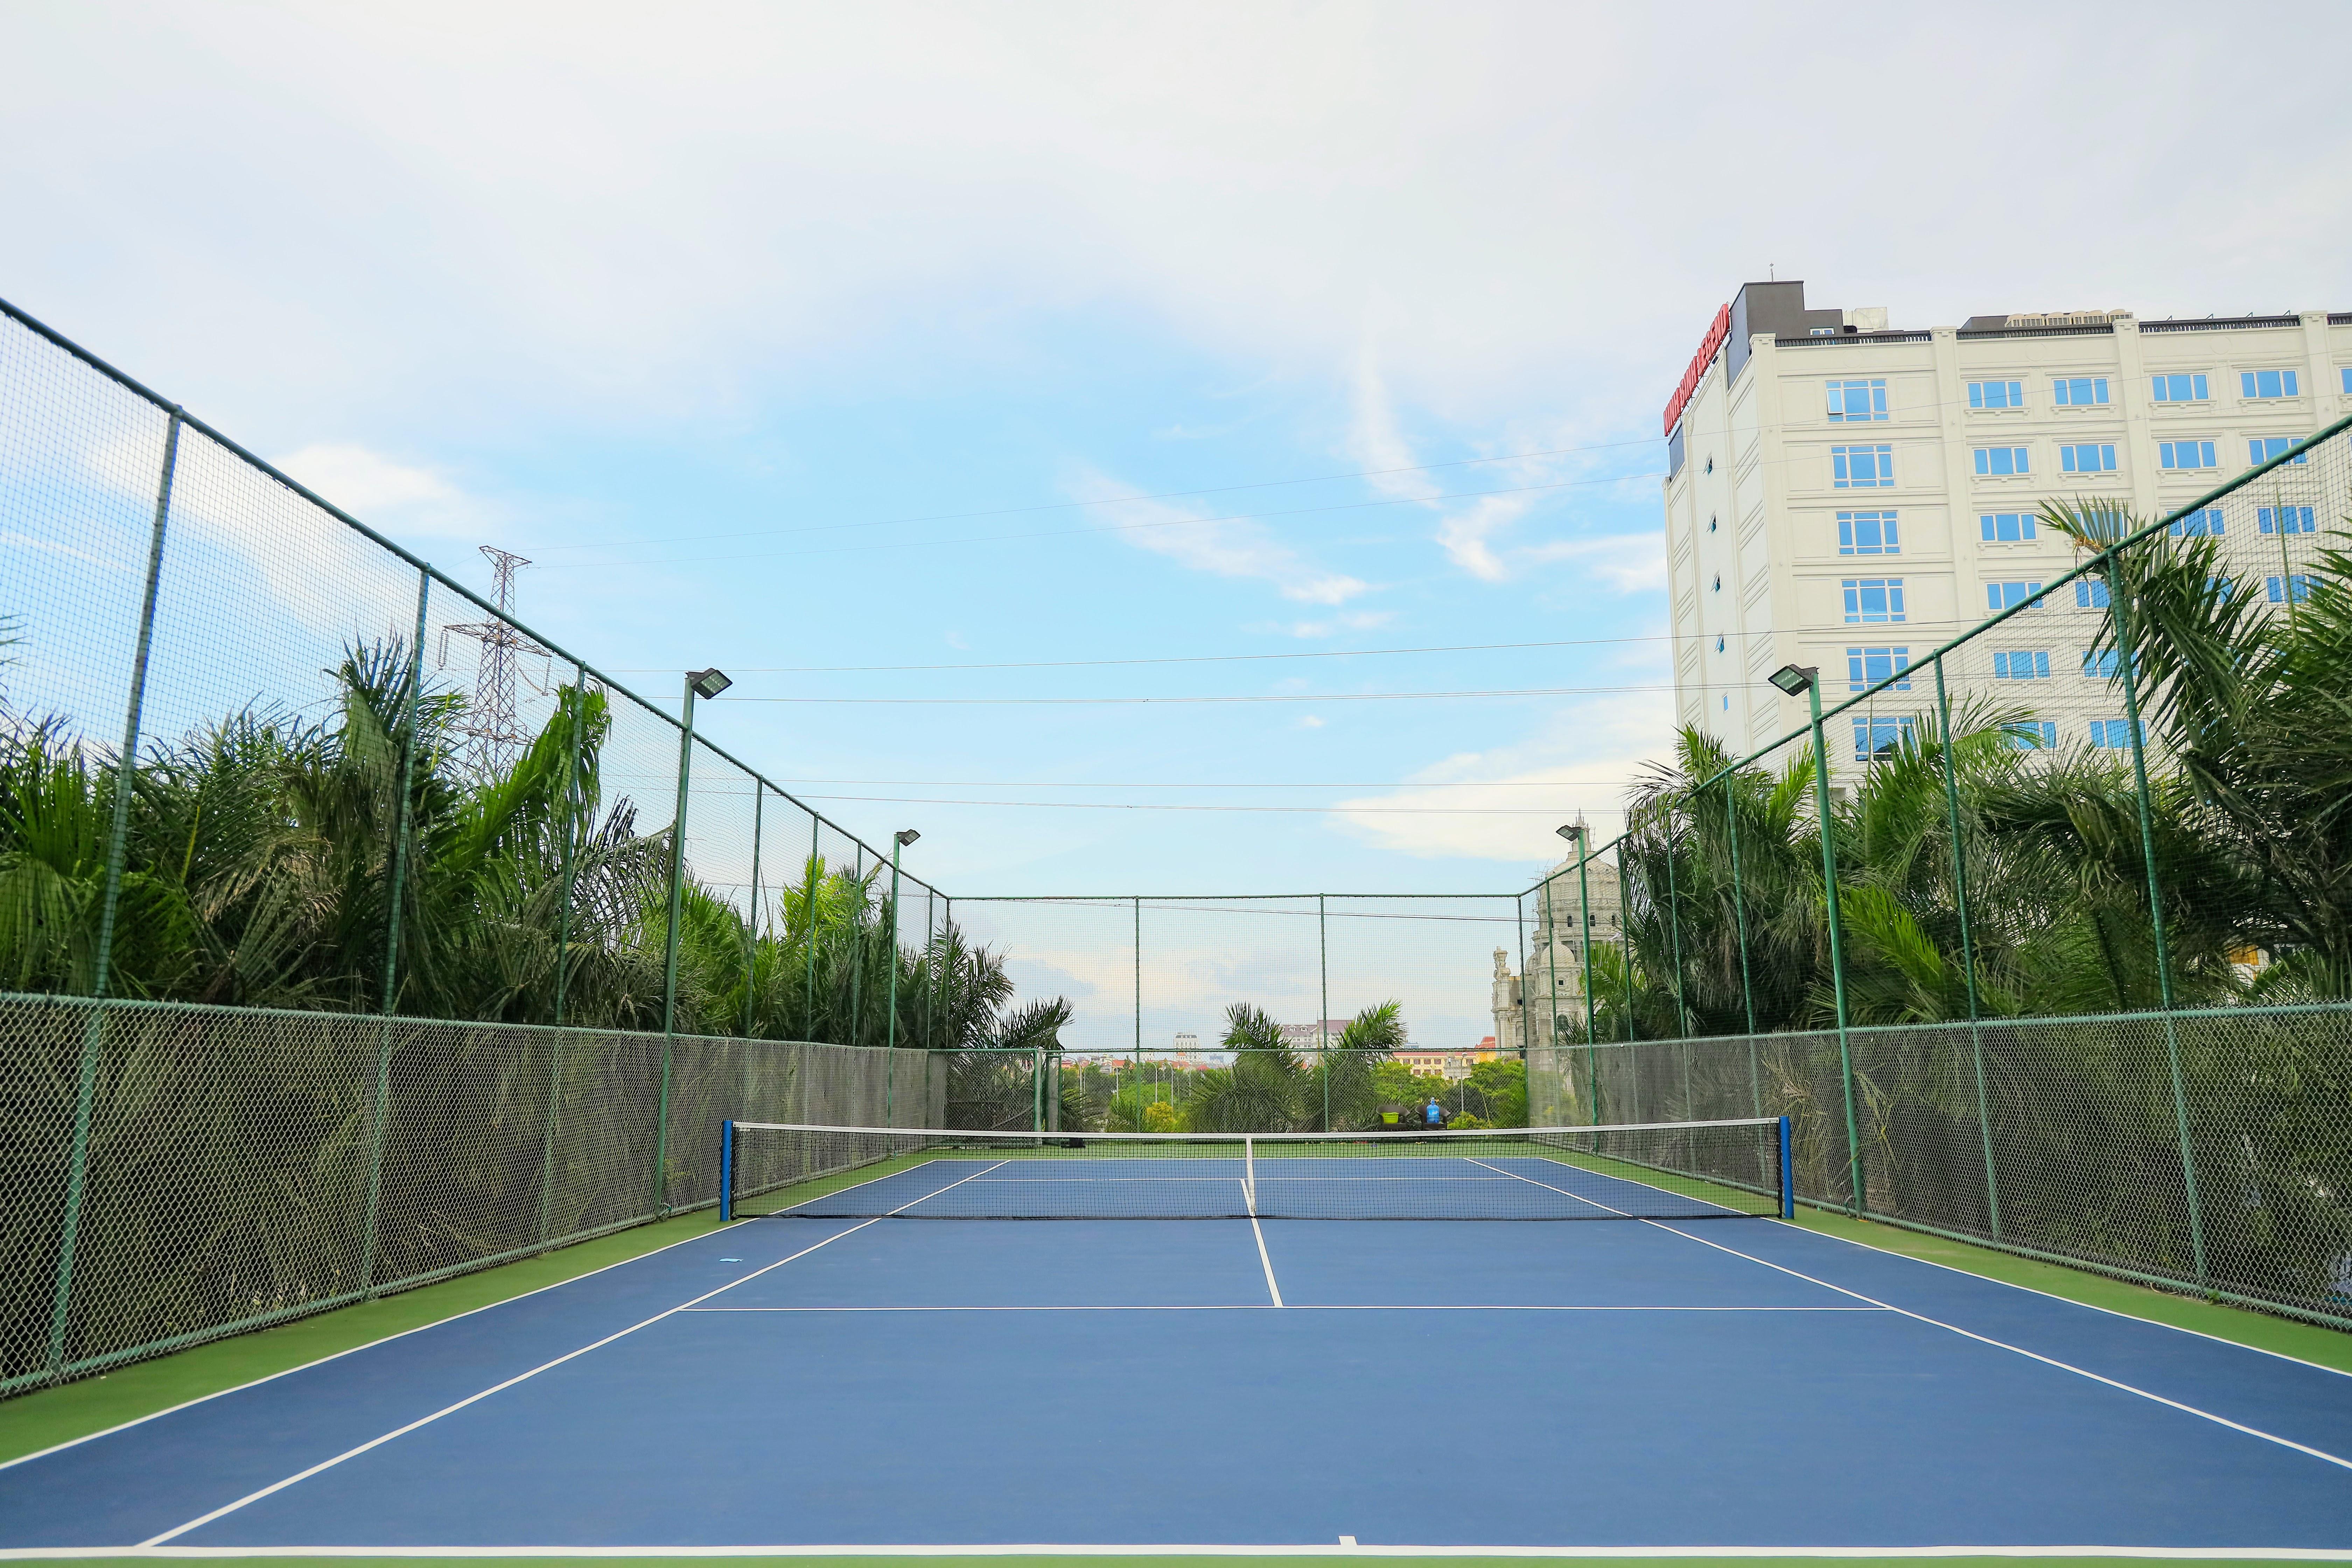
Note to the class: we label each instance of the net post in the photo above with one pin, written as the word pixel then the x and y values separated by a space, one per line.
pixel 2119 598
pixel 726 1171
pixel 1249 1175
pixel 1968 947
pixel 1788 1175
pixel 110 901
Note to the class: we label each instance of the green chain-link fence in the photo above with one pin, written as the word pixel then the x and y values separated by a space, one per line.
pixel 343 955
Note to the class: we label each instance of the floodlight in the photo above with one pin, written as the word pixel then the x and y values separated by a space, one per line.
pixel 1572 832
pixel 907 836
pixel 1793 679
pixel 708 683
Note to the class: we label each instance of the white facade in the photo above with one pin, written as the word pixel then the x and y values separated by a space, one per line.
pixel 1557 935
pixel 1850 498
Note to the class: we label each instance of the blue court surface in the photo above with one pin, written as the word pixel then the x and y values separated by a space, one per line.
pixel 794 1383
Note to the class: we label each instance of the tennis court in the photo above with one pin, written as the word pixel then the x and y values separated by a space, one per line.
pixel 1310 1362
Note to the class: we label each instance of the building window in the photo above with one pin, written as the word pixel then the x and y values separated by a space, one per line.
pixel 1851 402
pixel 1718 582
pixel 2284 520
pixel 1862 468
pixel 2346 374
pixel 2267 384
pixel 2032 735
pixel 2185 455
pixel 2090 593
pixel 2113 734
pixel 2205 519
pixel 1869 666
pixel 2006 595
pixel 1873 600
pixel 2099 664
pixel 1867 533
pixel 2024 664
pixel 1996 394
pixel 2001 461
pixel 2263 448
pixel 1875 738
pixel 1718 644
pixel 1710 525
pixel 2087 458
pixel 2288 590
pixel 1710 463
pixel 2080 390
pixel 2180 389
pixel 2007 527
pixel 2222 588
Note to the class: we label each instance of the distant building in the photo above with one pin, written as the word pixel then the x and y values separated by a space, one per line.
pixel 1188 1044
pixel 1454 1064
pixel 1566 918
pixel 1309 1036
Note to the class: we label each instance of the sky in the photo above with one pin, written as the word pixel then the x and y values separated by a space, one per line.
pixel 958 377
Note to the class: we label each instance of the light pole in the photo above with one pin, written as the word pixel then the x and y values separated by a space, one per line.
pixel 699 683
pixel 1792 679
pixel 898 841
pixel 1574 833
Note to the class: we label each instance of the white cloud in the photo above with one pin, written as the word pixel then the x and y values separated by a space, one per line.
pixel 1629 562
pixel 1221 546
pixel 390 497
pixel 1591 752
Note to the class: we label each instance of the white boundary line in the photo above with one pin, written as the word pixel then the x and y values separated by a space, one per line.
pixel 1123 1549
pixel 1296 1307
pixel 1266 1262
pixel 2054 1296
pixel 355 1350
pixel 304 1475
pixel 1984 1339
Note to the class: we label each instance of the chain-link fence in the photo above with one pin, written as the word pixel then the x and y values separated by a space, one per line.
pixel 2042 938
pixel 355 933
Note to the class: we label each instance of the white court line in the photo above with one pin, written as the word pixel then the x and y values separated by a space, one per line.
pixel 1984 1339
pixel 1296 1307
pixel 338 1355
pixel 227 1509
pixel 1272 1288
pixel 1188 1549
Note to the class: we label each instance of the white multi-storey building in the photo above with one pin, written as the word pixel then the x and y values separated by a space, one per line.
pixel 1848 497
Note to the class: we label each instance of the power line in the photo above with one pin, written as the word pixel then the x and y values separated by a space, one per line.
pixel 1114 500
pixel 1108 528
pixel 1289 810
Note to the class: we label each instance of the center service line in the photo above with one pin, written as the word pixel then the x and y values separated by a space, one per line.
pixel 227 1509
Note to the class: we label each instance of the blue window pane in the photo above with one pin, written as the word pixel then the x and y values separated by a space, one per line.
pixel 2261 450
pixel 2090 595
pixel 2196 524
pixel 2023 664
pixel 2099 664
pixel 1879 736
pixel 1976 392
pixel 2292 589
pixel 2030 735
pixel 2286 520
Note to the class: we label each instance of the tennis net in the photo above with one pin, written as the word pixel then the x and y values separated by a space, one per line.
pixel 1689 1170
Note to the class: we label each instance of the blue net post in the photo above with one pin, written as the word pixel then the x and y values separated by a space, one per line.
pixel 727 1167
pixel 1788 1175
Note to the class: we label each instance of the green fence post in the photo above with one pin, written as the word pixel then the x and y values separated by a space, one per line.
pixel 857 959
pixel 1675 928
pixel 572 809
pixel 751 926
pixel 1519 931
pixel 1322 1019
pixel 1552 980
pixel 1968 947
pixel 1837 949
pixel 1584 916
pixel 117 841
pixel 397 892
pixel 1740 924
pixel 2127 659
pixel 670 945
pixel 939 980
pixel 808 917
